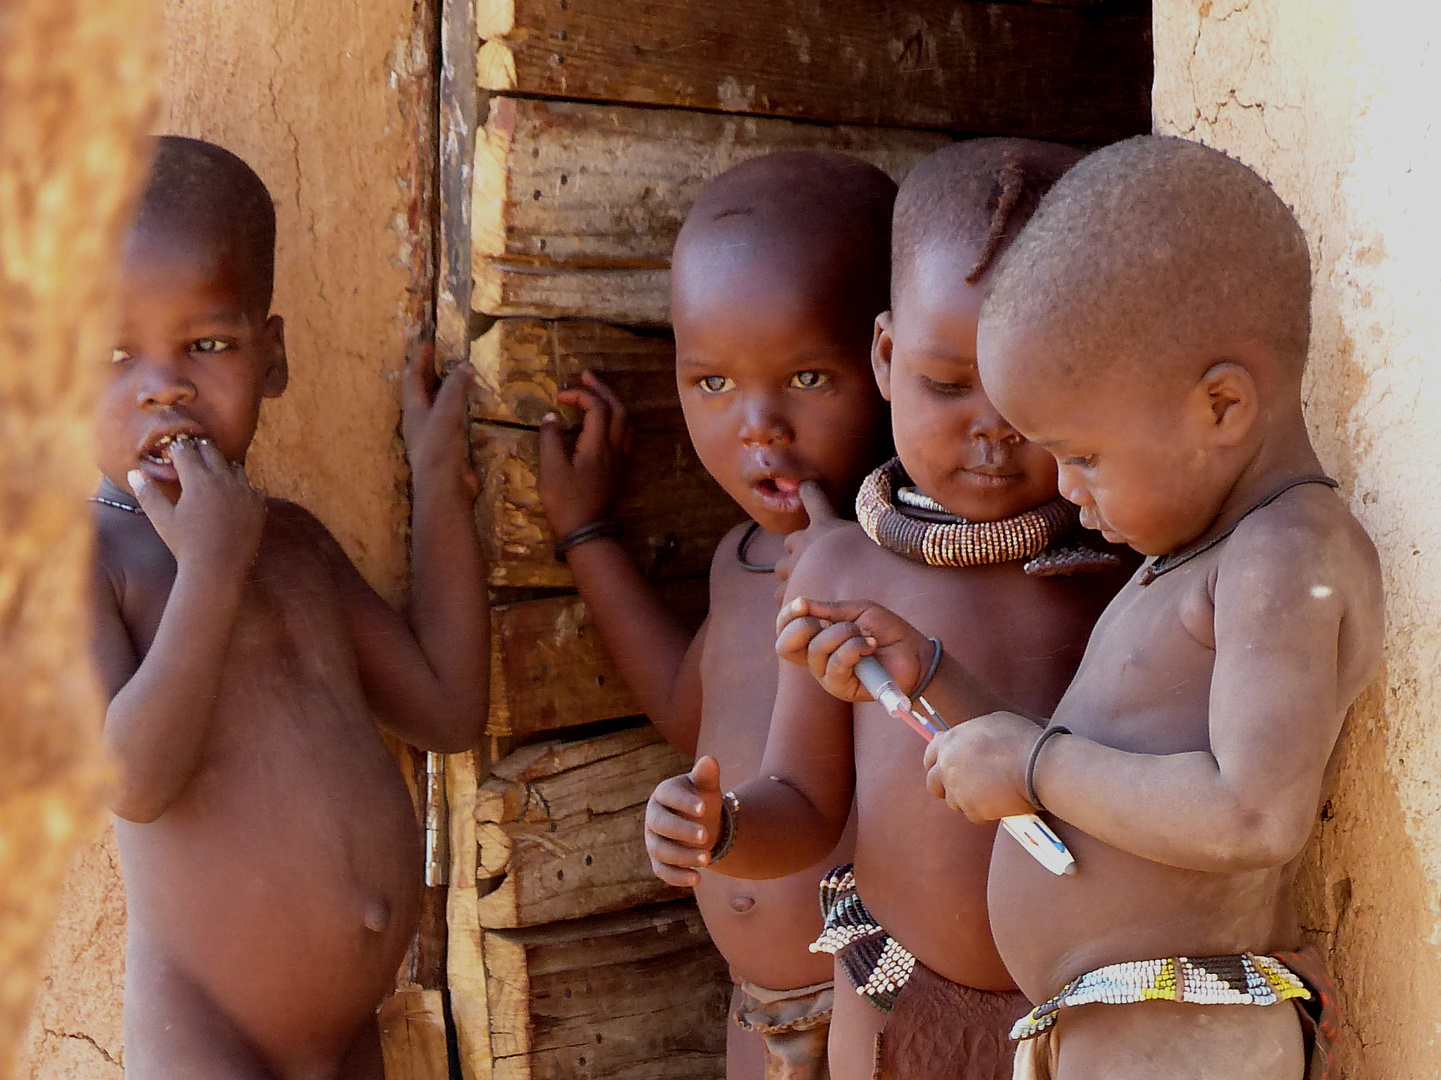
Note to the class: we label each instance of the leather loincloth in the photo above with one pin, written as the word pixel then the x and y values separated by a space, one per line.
pixel 934 1027
pixel 794 1025
pixel 1242 979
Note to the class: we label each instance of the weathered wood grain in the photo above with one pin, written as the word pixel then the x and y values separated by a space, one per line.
pixel 640 995
pixel 672 514
pixel 465 967
pixel 566 838
pixel 1043 70
pixel 551 670
pixel 412 1035
pixel 576 206
pixel 522 364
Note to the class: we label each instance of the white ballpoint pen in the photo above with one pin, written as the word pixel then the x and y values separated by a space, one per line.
pixel 1029 831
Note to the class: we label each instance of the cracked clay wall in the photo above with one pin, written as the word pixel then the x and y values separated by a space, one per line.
pixel 1333 101
pixel 329 103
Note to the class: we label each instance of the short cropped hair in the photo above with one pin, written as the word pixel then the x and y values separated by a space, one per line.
pixel 825 211
pixel 974 195
pixel 1156 249
pixel 198 187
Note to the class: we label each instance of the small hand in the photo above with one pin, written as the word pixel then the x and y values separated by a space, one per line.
pixel 218 519
pixel 578 488
pixel 822 519
pixel 830 637
pixel 979 767
pixel 682 823
pixel 434 423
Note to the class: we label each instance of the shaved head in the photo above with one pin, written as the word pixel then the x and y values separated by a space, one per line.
pixel 1151 258
pixel 973 196
pixel 202 194
pixel 816 223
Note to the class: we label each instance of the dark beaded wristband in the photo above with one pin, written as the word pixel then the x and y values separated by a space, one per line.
pixel 1041 740
pixel 584 534
pixel 727 838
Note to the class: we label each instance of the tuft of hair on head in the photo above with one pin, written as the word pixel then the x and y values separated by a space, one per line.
pixel 975 194
pixel 198 188
pixel 1158 251
pixel 827 212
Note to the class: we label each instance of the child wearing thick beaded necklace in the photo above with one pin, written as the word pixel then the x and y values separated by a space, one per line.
pixel 964 535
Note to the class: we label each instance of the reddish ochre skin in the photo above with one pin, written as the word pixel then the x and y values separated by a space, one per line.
pixel 251 893
pixel 774 379
pixel 920 867
pixel 271 853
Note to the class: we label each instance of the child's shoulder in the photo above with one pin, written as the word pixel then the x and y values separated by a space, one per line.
pixel 1309 537
pixel 1307 553
pixel 841 558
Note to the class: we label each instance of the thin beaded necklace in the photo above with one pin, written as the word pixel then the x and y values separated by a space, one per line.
pixel 117 504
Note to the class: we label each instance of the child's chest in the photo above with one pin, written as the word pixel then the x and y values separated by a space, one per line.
pixel 739 671
pixel 1022 636
pixel 1145 683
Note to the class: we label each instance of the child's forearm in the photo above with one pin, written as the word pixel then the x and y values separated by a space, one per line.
pixel 158 723
pixel 449 613
pixel 957 695
pixel 645 639
pixel 778 832
pixel 1178 809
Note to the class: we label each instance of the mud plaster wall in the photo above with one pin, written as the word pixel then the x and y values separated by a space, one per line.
pixel 325 102
pixel 1333 101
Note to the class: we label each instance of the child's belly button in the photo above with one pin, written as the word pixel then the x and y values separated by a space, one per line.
pixel 742 902
pixel 377 914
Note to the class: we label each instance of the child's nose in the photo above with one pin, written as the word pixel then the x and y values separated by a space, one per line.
pixel 764 424
pixel 991 426
pixel 164 386
pixel 1069 484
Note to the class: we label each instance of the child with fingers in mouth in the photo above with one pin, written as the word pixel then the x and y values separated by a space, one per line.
pixel 778 274
pixel 270 849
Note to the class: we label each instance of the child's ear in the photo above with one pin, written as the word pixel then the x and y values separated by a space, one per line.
pixel 881 353
pixel 277 367
pixel 1229 396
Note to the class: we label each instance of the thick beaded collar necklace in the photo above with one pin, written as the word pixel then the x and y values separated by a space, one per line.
pixel 916 527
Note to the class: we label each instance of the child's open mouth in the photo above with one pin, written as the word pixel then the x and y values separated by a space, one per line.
pixel 155 460
pixel 779 493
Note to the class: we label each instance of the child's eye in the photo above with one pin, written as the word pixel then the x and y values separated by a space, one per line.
pixel 809 380
pixel 950 389
pixel 119 356
pixel 212 345
pixel 716 384
pixel 1086 462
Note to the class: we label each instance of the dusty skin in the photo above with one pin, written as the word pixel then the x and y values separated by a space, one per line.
pixel 1206 708
pixel 775 383
pixel 920 868
pixel 271 854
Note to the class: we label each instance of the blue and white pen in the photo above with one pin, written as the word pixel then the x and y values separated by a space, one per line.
pixel 1029 831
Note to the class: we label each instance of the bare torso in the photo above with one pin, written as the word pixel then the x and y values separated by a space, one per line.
pixel 920 866
pixel 1143 687
pixel 762 928
pixel 284 883
pixel 1149 685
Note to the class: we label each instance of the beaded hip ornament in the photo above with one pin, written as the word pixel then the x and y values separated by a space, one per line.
pixel 916 527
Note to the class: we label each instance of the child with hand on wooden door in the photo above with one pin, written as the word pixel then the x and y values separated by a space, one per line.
pixel 965 535
pixel 778 272
pixel 270 849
